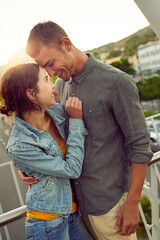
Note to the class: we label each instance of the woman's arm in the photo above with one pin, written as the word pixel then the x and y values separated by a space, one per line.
pixel 33 158
pixel 26 156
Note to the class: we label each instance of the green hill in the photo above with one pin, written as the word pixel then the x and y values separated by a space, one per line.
pixel 127 45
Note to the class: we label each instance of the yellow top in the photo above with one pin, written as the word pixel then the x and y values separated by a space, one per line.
pixel 49 216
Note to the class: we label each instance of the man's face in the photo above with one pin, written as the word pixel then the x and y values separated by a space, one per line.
pixel 56 62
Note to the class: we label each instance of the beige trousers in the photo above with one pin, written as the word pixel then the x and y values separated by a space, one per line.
pixel 104 226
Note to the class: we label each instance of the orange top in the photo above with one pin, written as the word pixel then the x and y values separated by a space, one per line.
pixel 49 216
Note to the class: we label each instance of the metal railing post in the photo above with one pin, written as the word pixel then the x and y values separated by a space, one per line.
pixel 147 226
pixel 16 184
pixel 151 189
pixel 10 164
pixel 5 227
pixel 154 204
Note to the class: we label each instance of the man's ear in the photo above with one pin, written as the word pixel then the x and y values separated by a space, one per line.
pixel 30 93
pixel 66 43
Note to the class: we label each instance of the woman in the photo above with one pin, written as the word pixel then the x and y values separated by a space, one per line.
pixel 37 146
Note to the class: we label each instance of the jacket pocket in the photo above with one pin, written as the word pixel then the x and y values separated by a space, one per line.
pixel 43 187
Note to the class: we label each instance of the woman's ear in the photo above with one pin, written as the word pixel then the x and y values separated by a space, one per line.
pixel 30 93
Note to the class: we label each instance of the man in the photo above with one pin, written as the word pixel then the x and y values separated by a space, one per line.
pixel 117 146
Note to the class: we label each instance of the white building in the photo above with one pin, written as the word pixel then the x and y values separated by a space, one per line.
pixel 149 58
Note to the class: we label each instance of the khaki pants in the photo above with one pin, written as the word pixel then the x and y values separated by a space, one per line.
pixel 104 226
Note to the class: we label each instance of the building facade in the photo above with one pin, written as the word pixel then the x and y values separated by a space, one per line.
pixel 149 58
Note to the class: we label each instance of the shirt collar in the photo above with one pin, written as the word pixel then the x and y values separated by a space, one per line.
pixel 78 78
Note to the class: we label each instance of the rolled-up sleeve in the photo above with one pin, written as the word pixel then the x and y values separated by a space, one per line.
pixel 130 117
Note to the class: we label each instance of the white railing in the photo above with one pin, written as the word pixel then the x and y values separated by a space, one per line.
pixel 10 163
pixel 14 214
pixel 151 118
pixel 151 190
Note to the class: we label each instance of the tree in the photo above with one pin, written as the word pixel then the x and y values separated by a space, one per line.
pixel 124 65
pixel 114 53
pixel 96 55
pixel 149 89
pixel 158 72
pixel 53 79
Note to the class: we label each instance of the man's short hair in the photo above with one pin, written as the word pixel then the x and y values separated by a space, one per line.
pixel 44 33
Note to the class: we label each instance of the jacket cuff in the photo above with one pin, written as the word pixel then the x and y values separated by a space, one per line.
pixel 77 125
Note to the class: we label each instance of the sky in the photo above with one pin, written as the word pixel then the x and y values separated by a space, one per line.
pixel 88 23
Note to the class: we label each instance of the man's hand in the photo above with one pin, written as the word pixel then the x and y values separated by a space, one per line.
pixel 128 215
pixel 128 218
pixel 28 180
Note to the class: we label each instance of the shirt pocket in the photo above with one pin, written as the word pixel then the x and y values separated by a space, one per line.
pixel 94 118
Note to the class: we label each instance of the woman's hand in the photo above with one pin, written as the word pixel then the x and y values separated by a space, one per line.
pixel 74 108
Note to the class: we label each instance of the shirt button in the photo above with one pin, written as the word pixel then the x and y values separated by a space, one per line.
pixel 34 195
pixel 73 94
pixel 76 183
pixel 90 110
pixel 79 81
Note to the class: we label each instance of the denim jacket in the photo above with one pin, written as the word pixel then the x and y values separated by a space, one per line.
pixel 37 154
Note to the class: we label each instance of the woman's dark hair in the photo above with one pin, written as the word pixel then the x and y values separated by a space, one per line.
pixel 14 84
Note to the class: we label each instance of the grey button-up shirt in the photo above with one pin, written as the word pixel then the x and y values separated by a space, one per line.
pixel 117 133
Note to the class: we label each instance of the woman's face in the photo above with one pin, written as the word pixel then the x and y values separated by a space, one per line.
pixel 46 94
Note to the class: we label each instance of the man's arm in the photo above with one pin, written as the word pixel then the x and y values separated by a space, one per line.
pixel 28 180
pixel 130 117
pixel 128 215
